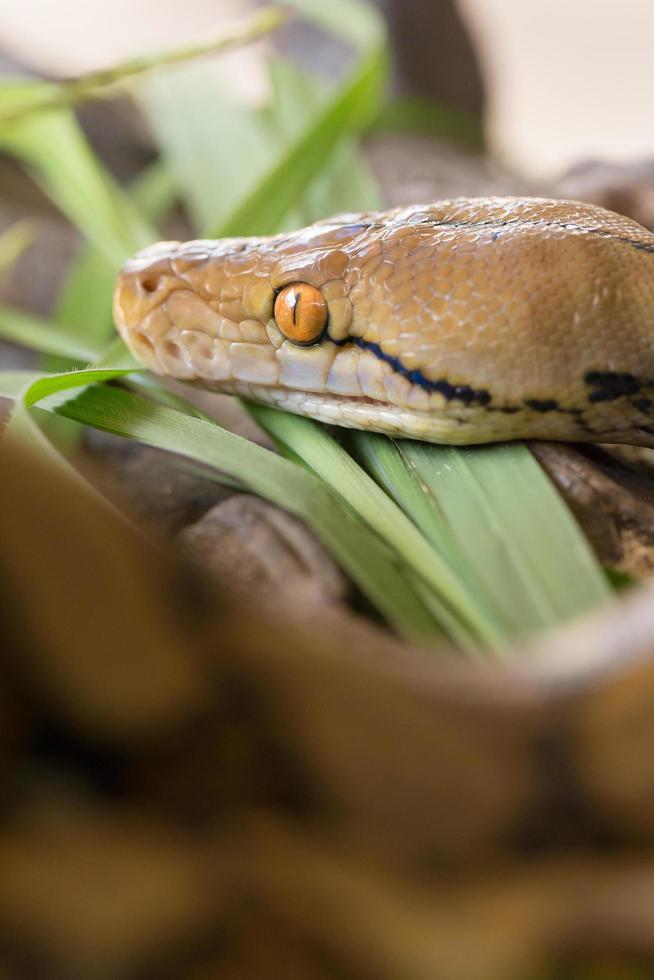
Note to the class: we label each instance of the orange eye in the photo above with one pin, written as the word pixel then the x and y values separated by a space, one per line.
pixel 301 313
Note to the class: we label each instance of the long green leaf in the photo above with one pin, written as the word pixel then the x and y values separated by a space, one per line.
pixel 528 518
pixel 495 516
pixel 23 431
pixel 43 335
pixel 13 242
pixel 369 562
pixel 84 301
pixel 56 152
pixel 264 209
pixel 310 442
pixel 345 182
pixel 236 174
pixel 38 97
pixel 216 149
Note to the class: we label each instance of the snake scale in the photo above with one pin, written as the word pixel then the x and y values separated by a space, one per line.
pixel 462 321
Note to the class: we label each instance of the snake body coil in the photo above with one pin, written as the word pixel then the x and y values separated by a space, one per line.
pixel 464 321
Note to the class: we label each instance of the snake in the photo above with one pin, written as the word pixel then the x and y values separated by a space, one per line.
pixel 464 321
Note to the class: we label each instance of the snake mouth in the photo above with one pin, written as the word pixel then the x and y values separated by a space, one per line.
pixel 358 412
pixel 283 396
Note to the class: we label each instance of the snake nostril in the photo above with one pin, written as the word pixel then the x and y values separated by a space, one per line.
pixel 173 350
pixel 149 283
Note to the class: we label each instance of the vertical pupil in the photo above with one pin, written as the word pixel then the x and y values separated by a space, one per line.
pixel 297 296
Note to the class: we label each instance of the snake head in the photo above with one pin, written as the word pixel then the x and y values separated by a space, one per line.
pixel 238 311
pixel 460 321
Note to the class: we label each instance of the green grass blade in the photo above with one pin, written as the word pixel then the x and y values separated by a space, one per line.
pixel 346 182
pixel 53 148
pixel 85 298
pixel 234 170
pixel 39 97
pixel 522 502
pixel 23 430
pixel 310 442
pixel 215 149
pixel 355 103
pixel 382 458
pixel 371 565
pixel 493 511
pixel 276 194
pixel 43 335
pixel 13 242
pixel 368 561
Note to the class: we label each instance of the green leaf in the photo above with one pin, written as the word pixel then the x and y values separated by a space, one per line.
pixel 310 442
pixel 495 516
pixel 266 207
pixel 366 559
pixel 13 242
pixel 23 431
pixel 345 182
pixel 57 154
pixel 43 335
pixel 238 174
pixel 215 149
pixel 355 103
pixel 84 301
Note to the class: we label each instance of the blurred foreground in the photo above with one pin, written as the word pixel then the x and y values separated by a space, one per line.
pixel 190 791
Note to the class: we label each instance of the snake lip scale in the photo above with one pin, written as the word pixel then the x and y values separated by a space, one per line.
pixel 460 321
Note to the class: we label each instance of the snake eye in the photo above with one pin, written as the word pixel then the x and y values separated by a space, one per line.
pixel 301 313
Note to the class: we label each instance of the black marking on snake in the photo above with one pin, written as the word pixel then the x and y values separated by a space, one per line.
pixel 538 405
pixel 462 393
pixel 543 405
pixel 641 246
pixel 611 385
pixel 642 404
pixel 560 813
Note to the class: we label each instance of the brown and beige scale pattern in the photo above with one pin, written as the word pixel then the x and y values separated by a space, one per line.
pixel 464 321
pixel 200 790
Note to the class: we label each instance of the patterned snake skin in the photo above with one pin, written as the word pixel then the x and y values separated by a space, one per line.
pixel 463 321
